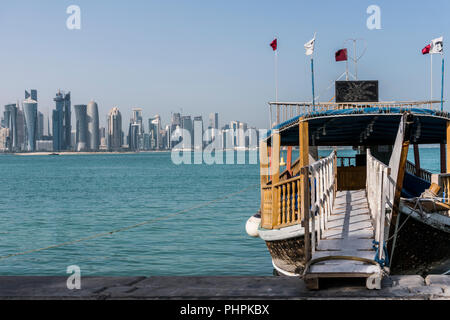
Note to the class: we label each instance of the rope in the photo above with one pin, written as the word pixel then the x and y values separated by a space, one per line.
pixel 104 234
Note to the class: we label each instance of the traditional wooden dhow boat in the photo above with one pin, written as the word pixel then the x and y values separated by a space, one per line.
pixel 363 216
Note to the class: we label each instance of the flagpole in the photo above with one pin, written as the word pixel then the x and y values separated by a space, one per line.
pixel 346 70
pixel 276 76
pixel 442 85
pixel 312 78
pixel 431 86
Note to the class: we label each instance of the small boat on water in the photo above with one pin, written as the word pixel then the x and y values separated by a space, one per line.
pixel 364 216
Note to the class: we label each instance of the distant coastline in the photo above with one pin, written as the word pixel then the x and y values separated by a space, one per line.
pixel 72 153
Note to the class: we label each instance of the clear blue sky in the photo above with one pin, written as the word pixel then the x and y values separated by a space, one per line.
pixel 210 56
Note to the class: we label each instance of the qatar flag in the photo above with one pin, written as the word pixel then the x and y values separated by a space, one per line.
pixel 426 50
pixel 341 55
pixel 436 46
pixel 274 45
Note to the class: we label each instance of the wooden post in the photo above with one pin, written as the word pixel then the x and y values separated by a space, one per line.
pixel 289 160
pixel 303 143
pixel 275 172
pixel 447 169
pixel 399 184
pixel 303 156
pixel 306 212
pixel 264 175
pixel 417 159
pixel 304 183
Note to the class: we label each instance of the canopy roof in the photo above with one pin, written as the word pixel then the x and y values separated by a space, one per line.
pixel 368 125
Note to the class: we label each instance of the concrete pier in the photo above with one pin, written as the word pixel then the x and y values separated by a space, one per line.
pixel 223 288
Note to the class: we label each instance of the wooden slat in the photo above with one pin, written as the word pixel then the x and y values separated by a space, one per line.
pixel 341 245
pixel 344 269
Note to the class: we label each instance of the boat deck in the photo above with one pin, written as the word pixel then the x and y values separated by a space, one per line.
pixel 349 233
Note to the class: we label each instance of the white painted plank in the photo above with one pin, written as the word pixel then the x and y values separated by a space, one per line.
pixel 360 244
pixel 362 254
pixel 335 234
pixel 344 268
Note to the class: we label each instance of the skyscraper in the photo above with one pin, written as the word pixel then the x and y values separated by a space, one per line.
pixel 30 112
pixel 137 120
pixel 214 121
pixel 81 127
pixel 198 133
pixel 187 133
pixel 93 130
pixel 67 121
pixel 234 127
pixel 10 119
pixel 174 127
pixel 155 132
pixel 114 130
pixel 176 120
pixel 61 118
pixel 20 130
pixel 40 125
pixel 32 94
pixel 242 135
pixel 133 136
pixel 57 123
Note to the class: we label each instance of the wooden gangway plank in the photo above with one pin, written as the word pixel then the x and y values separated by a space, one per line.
pixel 349 233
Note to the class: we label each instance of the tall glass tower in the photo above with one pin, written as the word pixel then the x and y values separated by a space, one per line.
pixel 67 124
pixel 57 120
pixel 115 136
pixel 93 130
pixel 30 111
pixel 81 127
pixel 10 116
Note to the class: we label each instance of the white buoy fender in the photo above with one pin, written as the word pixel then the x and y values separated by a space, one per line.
pixel 252 225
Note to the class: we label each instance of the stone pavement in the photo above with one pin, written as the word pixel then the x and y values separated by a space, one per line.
pixel 221 288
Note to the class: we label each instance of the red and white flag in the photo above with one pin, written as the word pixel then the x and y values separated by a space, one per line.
pixel 274 45
pixel 436 46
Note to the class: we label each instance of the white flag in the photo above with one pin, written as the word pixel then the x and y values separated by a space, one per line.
pixel 437 45
pixel 309 46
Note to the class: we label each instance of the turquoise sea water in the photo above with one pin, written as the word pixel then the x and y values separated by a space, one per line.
pixel 48 200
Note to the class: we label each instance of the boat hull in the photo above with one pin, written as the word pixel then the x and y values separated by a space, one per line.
pixel 287 249
pixel 422 246
pixel 423 243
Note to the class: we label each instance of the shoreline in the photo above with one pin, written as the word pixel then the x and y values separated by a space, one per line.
pixel 73 153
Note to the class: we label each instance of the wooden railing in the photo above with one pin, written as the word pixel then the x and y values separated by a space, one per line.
pixel 287 208
pixel 287 203
pixel 445 185
pixel 323 193
pixel 266 208
pixel 283 111
pixel 424 174
pixel 380 188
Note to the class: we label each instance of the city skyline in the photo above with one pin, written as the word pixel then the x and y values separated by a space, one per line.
pixel 83 133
